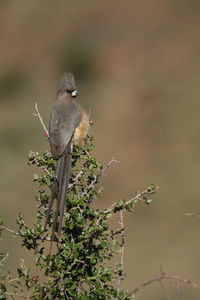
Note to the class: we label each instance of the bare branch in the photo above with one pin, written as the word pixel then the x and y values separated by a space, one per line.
pixel 37 114
pixel 177 289
pixel 9 230
pixel 113 160
pixel 192 215
pixel 163 276
pixel 121 276
pixel 46 238
pixel 137 197
pixel 75 180
pixel 167 297
pixel 47 171
pixel 94 181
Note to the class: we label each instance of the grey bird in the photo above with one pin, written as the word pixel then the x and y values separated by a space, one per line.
pixel 69 123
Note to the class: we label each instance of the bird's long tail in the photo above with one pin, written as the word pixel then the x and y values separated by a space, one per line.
pixel 59 189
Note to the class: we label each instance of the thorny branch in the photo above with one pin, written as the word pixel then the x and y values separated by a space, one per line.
pixel 164 276
pixel 9 230
pixel 121 276
pixel 37 114
pixel 95 180
pixel 137 197
pixel 113 160
pixel 46 170
pixel 192 215
pixel 48 239
pixel 75 180
pixel 163 286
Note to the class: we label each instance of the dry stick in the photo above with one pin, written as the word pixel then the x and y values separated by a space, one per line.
pixel 10 280
pixel 37 114
pixel 48 239
pixel 168 277
pixel 45 169
pixel 9 230
pixel 76 179
pixel 192 215
pixel 113 160
pixel 177 290
pixel 98 175
pixel 162 284
pixel 135 198
pixel 121 222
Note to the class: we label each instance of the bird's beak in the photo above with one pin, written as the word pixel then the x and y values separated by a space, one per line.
pixel 74 93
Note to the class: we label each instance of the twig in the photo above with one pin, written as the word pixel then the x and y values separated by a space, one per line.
pixel 47 171
pixel 177 290
pixel 89 186
pixel 168 277
pixel 121 276
pixel 162 284
pixel 75 180
pixel 48 239
pixel 9 280
pixel 192 215
pixel 138 196
pixel 37 114
pixel 17 233
pixel 9 230
pixel 113 160
pixel 97 176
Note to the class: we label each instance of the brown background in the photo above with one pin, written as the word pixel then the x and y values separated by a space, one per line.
pixel 137 68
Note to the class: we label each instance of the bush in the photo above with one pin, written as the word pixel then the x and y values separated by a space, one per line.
pixel 79 264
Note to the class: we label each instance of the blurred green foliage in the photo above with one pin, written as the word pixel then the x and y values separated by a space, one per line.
pixel 78 57
pixel 11 83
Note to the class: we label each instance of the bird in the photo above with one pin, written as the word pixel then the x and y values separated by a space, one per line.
pixel 69 124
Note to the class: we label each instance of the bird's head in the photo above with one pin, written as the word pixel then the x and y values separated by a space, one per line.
pixel 68 85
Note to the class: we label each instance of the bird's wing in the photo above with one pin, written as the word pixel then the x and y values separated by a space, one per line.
pixel 65 117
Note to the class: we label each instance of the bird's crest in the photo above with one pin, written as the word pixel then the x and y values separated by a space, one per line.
pixel 67 83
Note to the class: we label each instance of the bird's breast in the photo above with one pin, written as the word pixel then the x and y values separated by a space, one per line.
pixel 82 129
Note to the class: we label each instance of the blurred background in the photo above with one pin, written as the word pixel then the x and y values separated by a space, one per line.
pixel 137 68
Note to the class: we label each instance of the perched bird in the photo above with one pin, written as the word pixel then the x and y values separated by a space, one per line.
pixel 69 123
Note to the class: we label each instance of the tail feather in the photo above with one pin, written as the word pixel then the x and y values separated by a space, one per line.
pixel 54 191
pixel 59 189
pixel 63 187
